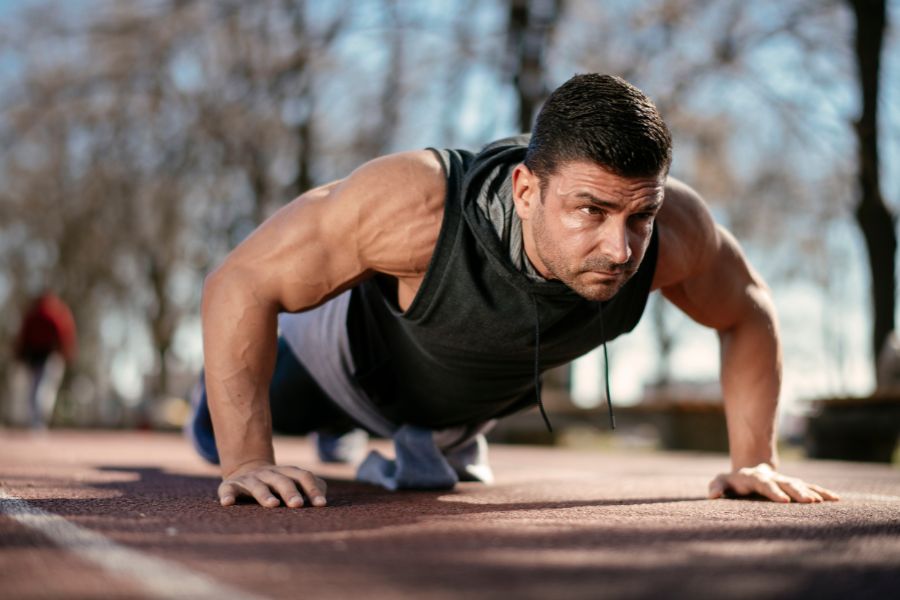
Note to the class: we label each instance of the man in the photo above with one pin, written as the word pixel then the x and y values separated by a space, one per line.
pixel 428 290
pixel 45 343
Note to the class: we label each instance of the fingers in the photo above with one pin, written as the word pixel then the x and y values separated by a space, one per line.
pixel 825 493
pixel 263 483
pixel 313 487
pixel 766 482
pixel 247 485
pixel 799 491
pixel 227 493
pixel 285 487
pixel 807 492
pixel 770 490
pixel 717 487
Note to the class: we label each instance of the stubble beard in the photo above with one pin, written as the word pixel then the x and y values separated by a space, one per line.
pixel 549 254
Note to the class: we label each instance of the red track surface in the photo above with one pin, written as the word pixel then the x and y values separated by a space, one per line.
pixel 558 523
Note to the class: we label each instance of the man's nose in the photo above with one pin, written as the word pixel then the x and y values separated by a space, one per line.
pixel 614 243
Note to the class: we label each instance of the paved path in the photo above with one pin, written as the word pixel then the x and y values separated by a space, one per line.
pixel 133 515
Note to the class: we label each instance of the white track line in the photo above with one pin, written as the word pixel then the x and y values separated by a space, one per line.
pixel 159 577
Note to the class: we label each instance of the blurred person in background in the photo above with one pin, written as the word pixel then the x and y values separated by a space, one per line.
pixel 46 343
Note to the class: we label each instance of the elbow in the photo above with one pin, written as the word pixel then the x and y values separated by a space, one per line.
pixel 221 283
pixel 214 279
pixel 231 287
pixel 764 306
pixel 757 321
pixel 211 284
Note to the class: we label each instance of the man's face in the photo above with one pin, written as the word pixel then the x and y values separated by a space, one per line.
pixel 591 228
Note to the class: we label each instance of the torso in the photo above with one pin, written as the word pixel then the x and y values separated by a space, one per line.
pixel 407 288
pixel 459 343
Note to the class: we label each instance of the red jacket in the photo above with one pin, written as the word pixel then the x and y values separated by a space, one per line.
pixel 47 327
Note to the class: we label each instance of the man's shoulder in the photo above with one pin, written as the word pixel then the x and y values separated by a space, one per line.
pixel 683 204
pixel 393 184
pixel 687 234
pixel 396 203
pixel 417 166
pixel 401 198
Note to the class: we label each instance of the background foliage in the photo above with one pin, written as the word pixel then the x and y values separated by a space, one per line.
pixel 142 140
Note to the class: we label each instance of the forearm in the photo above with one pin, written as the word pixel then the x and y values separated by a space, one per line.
pixel 239 344
pixel 751 383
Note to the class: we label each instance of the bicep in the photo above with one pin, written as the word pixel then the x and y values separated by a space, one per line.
pixel 291 260
pixel 724 291
pixel 332 237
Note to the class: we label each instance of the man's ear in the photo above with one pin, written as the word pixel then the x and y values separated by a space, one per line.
pixel 526 191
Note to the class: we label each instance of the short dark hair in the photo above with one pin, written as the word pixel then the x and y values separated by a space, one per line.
pixel 604 119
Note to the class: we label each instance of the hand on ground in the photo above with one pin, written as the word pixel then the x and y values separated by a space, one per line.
pixel 265 482
pixel 763 480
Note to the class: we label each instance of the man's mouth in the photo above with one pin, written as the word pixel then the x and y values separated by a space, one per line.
pixel 619 273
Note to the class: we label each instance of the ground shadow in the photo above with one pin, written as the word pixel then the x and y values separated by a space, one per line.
pixel 153 486
pixel 428 542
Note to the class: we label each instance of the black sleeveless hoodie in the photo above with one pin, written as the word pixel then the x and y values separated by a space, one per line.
pixel 479 331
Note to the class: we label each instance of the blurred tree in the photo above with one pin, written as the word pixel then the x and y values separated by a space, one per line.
pixel 143 141
pixel 875 219
pixel 127 134
pixel 378 132
pixel 60 229
pixel 530 32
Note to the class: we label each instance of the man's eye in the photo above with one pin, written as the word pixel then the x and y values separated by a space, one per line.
pixel 591 210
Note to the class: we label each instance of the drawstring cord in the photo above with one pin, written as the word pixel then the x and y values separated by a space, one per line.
pixel 537 366
pixel 612 418
pixel 537 362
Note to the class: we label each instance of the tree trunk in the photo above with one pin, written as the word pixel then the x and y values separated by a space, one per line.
pixel 531 25
pixel 874 217
pixel 303 130
pixel 162 323
pixel 665 345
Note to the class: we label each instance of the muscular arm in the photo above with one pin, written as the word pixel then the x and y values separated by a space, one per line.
pixel 703 271
pixel 383 218
pixel 712 282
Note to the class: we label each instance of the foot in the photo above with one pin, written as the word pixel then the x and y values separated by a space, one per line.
pixel 346 448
